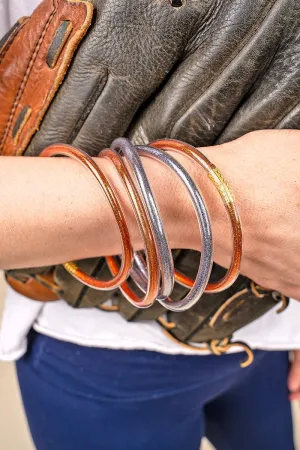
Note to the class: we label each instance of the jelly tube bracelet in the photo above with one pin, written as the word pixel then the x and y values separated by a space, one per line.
pixel 71 267
pixel 205 265
pixel 153 285
pixel 132 158
pixel 228 200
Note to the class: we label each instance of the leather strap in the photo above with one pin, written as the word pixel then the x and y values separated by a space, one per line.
pixel 40 50
pixel 40 288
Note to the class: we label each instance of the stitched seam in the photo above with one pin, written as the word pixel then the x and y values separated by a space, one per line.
pixel 78 36
pixel 25 79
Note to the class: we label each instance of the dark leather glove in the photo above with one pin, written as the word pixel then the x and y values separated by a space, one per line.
pixel 129 51
pixel 201 72
pixel 241 72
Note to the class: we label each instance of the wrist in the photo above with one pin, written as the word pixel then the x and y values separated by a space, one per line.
pixel 217 205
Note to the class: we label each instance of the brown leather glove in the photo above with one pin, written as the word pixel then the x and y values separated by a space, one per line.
pixel 34 57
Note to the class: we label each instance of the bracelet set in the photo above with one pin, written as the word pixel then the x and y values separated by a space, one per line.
pixel 152 270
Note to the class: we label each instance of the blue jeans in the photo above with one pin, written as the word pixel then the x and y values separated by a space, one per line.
pixel 79 398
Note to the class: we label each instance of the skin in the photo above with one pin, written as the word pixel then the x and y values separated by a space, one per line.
pixel 56 211
pixel 294 376
pixel 68 217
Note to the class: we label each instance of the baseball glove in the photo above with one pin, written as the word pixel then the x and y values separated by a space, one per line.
pixel 203 71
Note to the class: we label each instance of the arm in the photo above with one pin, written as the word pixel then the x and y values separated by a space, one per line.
pixel 294 376
pixel 67 216
pixel 263 171
pixel 53 211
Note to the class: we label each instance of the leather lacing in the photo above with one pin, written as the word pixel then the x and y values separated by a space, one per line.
pixel 220 346
pixel 277 296
pixel 216 346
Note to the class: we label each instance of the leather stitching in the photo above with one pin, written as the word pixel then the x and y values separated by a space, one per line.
pixel 77 37
pixel 61 73
pixel 25 78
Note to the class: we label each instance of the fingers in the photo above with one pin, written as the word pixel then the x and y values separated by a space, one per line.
pixel 221 67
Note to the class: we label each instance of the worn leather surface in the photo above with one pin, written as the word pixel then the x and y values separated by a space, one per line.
pixel 35 289
pixel 28 81
pixel 241 73
pixel 206 72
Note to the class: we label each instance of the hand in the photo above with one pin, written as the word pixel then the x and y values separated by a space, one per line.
pixel 263 170
pixel 294 376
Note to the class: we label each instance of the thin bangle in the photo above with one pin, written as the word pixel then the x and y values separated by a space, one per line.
pixel 205 265
pixel 132 158
pixel 71 267
pixel 140 212
pixel 139 273
pixel 228 200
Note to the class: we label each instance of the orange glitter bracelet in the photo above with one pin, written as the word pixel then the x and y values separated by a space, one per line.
pixel 146 231
pixel 228 200
pixel 121 275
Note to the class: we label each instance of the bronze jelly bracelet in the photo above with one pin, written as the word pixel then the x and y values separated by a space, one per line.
pixel 122 274
pixel 228 200
pixel 133 161
pixel 146 232
pixel 205 265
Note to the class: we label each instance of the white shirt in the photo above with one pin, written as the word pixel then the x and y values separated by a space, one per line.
pixel 91 327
